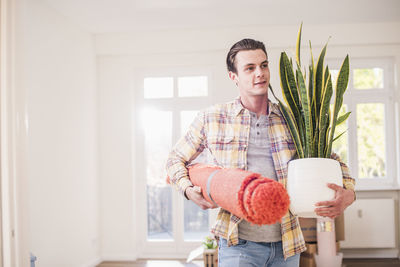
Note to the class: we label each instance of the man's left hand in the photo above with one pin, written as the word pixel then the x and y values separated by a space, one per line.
pixel 333 208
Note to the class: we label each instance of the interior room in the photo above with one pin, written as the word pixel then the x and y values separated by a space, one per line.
pixel 94 94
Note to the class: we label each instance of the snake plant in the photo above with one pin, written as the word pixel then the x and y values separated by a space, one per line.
pixel 307 105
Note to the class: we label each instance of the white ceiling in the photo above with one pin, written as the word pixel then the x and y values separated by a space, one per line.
pixel 118 16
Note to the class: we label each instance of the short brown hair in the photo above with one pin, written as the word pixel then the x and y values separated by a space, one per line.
pixel 245 44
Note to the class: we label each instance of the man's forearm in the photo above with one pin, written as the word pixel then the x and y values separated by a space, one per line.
pixel 177 171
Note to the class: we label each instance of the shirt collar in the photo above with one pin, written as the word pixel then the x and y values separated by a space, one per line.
pixel 238 107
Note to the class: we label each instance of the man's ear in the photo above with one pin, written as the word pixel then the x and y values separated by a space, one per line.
pixel 233 77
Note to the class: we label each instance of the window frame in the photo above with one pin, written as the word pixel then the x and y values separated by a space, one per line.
pixel 386 96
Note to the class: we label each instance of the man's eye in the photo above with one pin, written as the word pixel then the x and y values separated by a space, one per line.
pixel 265 65
pixel 250 68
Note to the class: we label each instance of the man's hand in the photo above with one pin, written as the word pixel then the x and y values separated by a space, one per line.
pixel 194 194
pixel 333 208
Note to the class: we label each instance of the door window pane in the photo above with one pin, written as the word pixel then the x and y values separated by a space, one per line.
pixel 371 140
pixel 195 222
pixel 158 87
pixel 192 86
pixel 158 137
pixel 340 145
pixel 195 219
pixel 368 78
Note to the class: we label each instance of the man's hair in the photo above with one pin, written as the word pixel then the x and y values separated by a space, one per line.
pixel 242 45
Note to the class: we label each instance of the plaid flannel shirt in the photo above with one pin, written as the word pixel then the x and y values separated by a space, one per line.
pixel 224 130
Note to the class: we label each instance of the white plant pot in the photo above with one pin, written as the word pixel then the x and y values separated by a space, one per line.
pixel 307 184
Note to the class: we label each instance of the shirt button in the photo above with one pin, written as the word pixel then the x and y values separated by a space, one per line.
pixel 258 124
pixel 258 133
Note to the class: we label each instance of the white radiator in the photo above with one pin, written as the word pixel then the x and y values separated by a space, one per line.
pixel 370 223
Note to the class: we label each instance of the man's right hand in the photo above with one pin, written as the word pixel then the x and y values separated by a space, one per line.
pixel 194 194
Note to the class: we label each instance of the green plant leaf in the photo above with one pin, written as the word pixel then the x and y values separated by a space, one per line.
pixel 291 124
pixel 311 94
pixel 343 118
pixel 298 45
pixel 287 78
pixel 341 86
pixel 327 136
pixel 290 93
pixel 287 94
pixel 273 93
pixel 337 137
pixel 318 81
pixel 311 82
pixel 324 115
pixel 300 116
pixel 292 128
pixel 306 112
pixel 325 81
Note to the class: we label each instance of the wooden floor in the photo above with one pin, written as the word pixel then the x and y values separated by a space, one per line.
pixel 177 263
pixel 152 263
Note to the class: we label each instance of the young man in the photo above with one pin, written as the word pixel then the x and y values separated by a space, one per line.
pixel 249 133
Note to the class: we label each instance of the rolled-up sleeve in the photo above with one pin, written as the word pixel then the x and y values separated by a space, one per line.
pixel 186 150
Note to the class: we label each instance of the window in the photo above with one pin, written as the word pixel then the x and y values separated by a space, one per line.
pixel 158 87
pixel 157 126
pixel 167 104
pixel 366 147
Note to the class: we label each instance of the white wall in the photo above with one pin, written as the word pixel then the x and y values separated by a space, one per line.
pixel 56 109
pixel 123 57
pixel 116 159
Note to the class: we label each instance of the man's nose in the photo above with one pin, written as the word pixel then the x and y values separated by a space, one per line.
pixel 259 72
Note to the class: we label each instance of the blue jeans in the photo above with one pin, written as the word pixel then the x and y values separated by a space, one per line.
pixel 254 254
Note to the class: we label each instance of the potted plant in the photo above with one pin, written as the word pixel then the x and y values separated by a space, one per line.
pixel 210 253
pixel 312 126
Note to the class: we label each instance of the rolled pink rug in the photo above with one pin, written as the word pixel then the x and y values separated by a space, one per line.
pixel 248 195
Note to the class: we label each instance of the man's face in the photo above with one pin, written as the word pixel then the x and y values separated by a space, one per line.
pixel 252 77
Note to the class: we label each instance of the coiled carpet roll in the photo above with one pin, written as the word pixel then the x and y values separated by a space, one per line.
pixel 248 195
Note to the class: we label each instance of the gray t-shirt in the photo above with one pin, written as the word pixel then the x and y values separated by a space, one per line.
pixel 259 160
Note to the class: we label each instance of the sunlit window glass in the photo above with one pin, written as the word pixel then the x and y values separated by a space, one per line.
pixel 195 222
pixel 368 78
pixel 157 127
pixel 158 87
pixel 371 140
